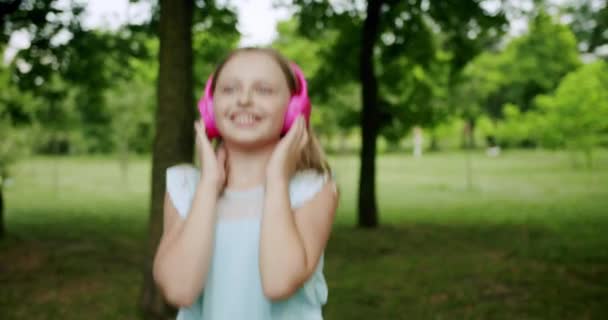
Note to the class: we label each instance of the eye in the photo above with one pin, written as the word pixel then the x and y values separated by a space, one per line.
pixel 227 89
pixel 263 89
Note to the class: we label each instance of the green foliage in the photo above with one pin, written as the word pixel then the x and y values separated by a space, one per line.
pixel 485 126
pixel 84 82
pixel 478 90
pixel 423 44
pixel 69 68
pixel 516 128
pixel 448 133
pixel 578 109
pixel 132 106
pixel 16 110
pixel 13 146
pixel 530 65
pixel 15 105
pixel 589 22
pixel 214 35
pixel 542 57
pixel 333 112
pixel 413 94
pixel 306 52
pixel 575 115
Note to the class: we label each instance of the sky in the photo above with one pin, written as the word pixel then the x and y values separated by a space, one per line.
pixel 256 20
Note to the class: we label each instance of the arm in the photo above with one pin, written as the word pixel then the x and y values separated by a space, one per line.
pixel 291 243
pixel 182 260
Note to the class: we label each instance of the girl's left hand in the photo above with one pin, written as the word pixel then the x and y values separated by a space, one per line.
pixel 284 158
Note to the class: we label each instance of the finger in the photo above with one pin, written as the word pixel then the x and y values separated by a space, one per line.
pixel 302 132
pixel 200 130
pixel 221 155
pixel 202 127
pixel 305 136
pixel 222 160
pixel 197 128
pixel 197 134
pixel 293 139
pixel 304 141
pixel 299 124
pixel 201 137
pixel 292 132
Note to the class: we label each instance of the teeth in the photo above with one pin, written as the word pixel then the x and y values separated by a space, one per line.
pixel 244 119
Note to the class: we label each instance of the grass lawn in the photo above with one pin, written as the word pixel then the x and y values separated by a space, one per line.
pixel 529 241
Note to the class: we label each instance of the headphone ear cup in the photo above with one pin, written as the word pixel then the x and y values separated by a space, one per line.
pixel 299 104
pixel 206 111
pixel 205 107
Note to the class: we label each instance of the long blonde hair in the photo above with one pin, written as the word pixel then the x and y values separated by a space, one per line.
pixel 312 157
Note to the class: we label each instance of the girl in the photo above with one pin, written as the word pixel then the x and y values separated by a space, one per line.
pixel 245 237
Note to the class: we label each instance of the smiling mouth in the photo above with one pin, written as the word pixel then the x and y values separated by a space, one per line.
pixel 245 119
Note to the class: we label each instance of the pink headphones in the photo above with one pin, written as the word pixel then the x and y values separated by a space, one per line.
pixel 299 103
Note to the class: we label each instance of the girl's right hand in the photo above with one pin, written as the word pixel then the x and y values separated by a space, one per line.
pixel 213 166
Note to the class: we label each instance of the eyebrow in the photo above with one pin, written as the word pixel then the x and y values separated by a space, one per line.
pixel 256 81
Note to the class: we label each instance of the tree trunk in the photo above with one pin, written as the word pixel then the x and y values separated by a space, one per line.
pixel 2 230
pixel 56 160
pixel 342 142
pixel 468 134
pixel 124 163
pixel 368 209
pixel 469 144
pixel 174 138
pixel 434 147
pixel 469 169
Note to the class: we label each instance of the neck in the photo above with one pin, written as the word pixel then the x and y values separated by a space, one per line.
pixel 247 166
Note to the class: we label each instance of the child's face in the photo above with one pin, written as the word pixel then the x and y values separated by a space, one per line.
pixel 250 99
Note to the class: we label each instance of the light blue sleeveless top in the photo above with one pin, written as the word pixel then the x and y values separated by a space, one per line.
pixel 233 288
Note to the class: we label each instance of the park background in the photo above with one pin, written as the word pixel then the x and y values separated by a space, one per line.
pixel 469 140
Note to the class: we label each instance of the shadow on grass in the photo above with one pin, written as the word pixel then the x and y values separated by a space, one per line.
pixel 434 271
pixel 79 268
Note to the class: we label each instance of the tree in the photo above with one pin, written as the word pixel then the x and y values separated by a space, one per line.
pixel 132 107
pixel 529 65
pixel 176 111
pixel 58 44
pixel 12 147
pixel 174 140
pixel 368 207
pixel 588 21
pixel 411 33
pixel 15 135
pixel 577 112
pixel 334 114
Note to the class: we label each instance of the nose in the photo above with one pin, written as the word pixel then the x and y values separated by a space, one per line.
pixel 244 97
